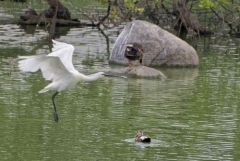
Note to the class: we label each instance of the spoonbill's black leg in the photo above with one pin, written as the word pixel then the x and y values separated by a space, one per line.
pixel 55 114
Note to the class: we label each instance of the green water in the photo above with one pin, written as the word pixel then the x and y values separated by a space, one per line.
pixel 193 115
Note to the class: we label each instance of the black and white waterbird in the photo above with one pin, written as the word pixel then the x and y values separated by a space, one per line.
pixel 57 67
pixel 140 137
pixel 134 52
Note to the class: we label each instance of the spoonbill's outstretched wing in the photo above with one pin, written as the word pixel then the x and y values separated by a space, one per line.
pixel 61 50
pixel 64 51
pixel 30 63
pixel 52 69
pixel 56 66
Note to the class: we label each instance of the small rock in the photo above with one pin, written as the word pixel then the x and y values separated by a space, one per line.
pixel 140 71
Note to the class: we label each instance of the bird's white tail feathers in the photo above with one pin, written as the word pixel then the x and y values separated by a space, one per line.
pixel 43 90
pixel 30 63
pixel 47 88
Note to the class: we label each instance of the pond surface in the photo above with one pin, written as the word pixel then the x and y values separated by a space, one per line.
pixel 193 115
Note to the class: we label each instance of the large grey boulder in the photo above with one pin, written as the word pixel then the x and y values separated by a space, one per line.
pixel 160 47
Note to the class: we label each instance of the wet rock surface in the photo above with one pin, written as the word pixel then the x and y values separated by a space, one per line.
pixel 140 71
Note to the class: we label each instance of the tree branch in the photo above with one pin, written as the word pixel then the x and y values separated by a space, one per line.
pixel 101 21
pixel 224 20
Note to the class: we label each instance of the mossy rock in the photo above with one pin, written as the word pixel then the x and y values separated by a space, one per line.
pixel 140 71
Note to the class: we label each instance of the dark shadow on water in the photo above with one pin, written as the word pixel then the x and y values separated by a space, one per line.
pixel 29 29
pixel 180 73
pixel 154 143
pixel 59 30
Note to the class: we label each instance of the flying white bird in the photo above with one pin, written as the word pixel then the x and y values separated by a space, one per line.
pixel 57 67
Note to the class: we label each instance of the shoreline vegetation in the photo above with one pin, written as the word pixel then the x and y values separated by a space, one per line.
pixel 183 17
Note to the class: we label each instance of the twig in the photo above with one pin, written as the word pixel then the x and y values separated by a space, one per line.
pixel 224 20
pixel 53 24
pixel 107 39
pixel 101 21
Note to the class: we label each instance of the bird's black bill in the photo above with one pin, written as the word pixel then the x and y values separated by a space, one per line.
pixel 112 75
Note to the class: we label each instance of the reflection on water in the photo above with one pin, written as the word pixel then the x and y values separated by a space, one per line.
pixel 193 115
pixel 154 143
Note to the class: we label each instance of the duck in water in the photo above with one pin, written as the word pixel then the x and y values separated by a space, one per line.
pixel 134 52
pixel 140 137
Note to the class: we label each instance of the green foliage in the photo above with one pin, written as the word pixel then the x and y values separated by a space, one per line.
pixel 229 9
pixel 103 1
pixel 132 5
pixel 206 4
pixel 213 3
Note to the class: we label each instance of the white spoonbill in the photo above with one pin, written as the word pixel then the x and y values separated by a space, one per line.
pixel 57 67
